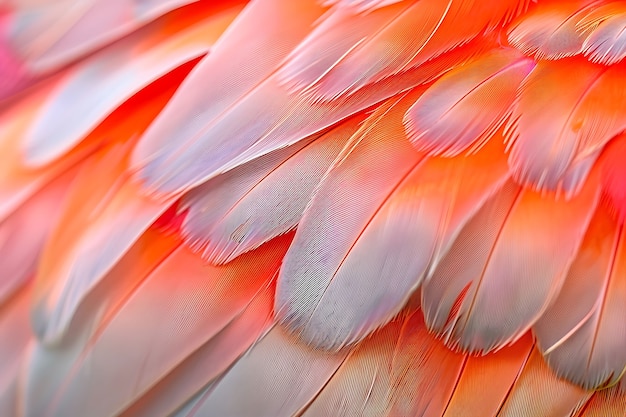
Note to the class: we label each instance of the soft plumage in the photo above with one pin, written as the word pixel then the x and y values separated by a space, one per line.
pixel 316 208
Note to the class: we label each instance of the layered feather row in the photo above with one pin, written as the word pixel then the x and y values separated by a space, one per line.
pixel 382 208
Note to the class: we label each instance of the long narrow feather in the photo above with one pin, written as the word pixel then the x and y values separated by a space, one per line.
pixel 582 335
pixel 245 207
pixel 506 267
pixel 338 281
pixel 558 135
pixel 465 107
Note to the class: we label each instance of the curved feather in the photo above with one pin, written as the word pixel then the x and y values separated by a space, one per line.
pixel 230 84
pixel 424 389
pixel 50 35
pixel 551 30
pixel 505 267
pixel 331 41
pixel 105 214
pixel 280 361
pixel 466 106
pixel 431 380
pixel 613 175
pixel 609 402
pixel 15 336
pixel 486 381
pixel 606 40
pixel 181 305
pixel 362 384
pixel 94 88
pixel 398 46
pixel 18 182
pixel 340 252
pixel 245 207
pixel 280 119
pixel 23 234
pixel 205 365
pixel 103 203
pixel 361 6
pixel 558 133
pixel 582 335
pixel 538 392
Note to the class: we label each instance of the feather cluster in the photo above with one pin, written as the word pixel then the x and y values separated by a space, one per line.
pixel 314 207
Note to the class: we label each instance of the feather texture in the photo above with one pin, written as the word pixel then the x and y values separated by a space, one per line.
pixel 209 361
pixel 384 208
pixel 229 87
pixel 613 175
pixel 168 316
pixel 582 335
pixel 72 262
pixel 79 102
pixel 52 34
pixel 537 392
pixel 611 402
pixel 293 374
pixel 327 262
pixel 245 207
pixel 397 46
pixel 557 135
pixel 445 120
pixel 551 30
pixel 505 267
pixel 606 42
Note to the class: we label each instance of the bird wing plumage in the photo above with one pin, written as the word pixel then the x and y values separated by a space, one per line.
pixel 273 208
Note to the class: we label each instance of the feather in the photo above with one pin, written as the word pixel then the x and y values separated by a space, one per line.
pixel 230 85
pixel 91 90
pixel 167 319
pixel 339 281
pixel 505 267
pixel 551 30
pixel 292 374
pixel 538 392
pixel 15 335
pixel 245 207
pixel 606 40
pixel 397 46
pixel 424 372
pixel 449 191
pixel 605 403
pixel 332 42
pixel 18 181
pixel 402 370
pixel 557 135
pixel 466 106
pixel 582 335
pixel 94 314
pixel 280 120
pixel 104 215
pixel 209 362
pixel 362 384
pixel 50 35
pixel 613 175
pixel 485 381
pixel 361 6
pixel 70 268
pixel 24 233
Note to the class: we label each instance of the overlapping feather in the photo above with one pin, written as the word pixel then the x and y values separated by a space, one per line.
pixel 381 130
